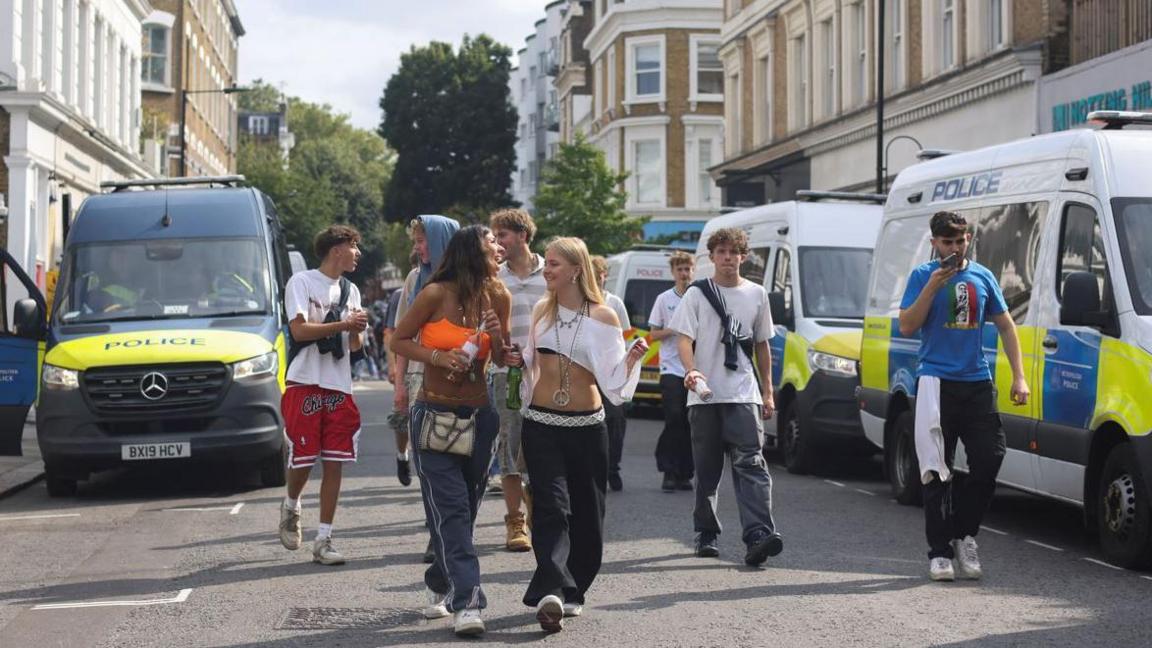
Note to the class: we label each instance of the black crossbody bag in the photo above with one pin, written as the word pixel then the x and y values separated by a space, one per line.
pixel 333 344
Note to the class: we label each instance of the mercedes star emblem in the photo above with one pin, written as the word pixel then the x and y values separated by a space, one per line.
pixel 154 385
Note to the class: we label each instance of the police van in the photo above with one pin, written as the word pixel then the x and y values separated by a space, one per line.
pixel 813 256
pixel 638 276
pixel 166 335
pixel 1065 222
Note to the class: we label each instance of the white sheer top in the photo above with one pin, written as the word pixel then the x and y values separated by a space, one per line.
pixel 598 347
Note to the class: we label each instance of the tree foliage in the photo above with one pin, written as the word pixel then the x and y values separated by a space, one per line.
pixel 448 116
pixel 581 196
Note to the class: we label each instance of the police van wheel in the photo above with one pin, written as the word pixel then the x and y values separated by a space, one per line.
pixel 795 449
pixel 903 467
pixel 59 486
pixel 1124 517
pixel 273 470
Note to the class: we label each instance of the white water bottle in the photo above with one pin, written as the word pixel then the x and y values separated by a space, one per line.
pixel 701 389
pixel 471 346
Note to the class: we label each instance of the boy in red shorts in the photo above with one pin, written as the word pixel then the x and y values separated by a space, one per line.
pixel 320 417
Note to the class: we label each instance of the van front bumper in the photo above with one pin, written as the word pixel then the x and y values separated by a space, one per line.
pixel 830 416
pixel 245 425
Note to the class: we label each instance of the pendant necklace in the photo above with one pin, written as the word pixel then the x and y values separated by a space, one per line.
pixel 563 396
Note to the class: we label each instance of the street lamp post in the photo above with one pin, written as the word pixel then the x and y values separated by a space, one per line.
pixel 880 164
pixel 884 165
pixel 184 119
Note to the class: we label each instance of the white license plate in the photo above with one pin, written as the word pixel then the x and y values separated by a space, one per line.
pixel 650 375
pixel 139 451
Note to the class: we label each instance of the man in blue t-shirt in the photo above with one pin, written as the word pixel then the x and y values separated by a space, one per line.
pixel 947 301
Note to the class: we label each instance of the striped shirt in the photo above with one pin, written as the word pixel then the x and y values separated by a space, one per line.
pixel 525 293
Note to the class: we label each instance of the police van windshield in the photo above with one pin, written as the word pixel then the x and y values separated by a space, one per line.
pixel 834 281
pixel 640 295
pixel 1134 226
pixel 163 279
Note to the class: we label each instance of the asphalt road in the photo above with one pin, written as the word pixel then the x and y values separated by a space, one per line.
pixel 128 562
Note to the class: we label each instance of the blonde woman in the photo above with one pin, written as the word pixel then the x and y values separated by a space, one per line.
pixel 575 352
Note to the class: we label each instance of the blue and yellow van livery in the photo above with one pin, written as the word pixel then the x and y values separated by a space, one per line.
pixel 1065 222
pixel 166 339
pixel 813 256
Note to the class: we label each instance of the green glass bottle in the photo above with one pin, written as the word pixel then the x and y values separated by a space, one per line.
pixel 515 376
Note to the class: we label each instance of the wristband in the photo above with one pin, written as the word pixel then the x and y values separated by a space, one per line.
pixel 432 360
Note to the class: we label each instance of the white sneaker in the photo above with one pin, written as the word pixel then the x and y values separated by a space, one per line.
pixel 434 606
pixel 967 560
pixel 468 623
pixel 289 527
pixel 323 553
pixel 940 569
pixel 550 613
pixel 573 609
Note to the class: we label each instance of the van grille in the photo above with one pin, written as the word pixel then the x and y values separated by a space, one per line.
pixel 121 390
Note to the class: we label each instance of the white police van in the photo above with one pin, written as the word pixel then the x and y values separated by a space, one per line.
pixel 813 256
pixel 1065 222
pixel 637 277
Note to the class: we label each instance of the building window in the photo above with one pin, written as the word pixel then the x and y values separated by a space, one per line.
pixel 859 50
pixel 645 58
pixel 947 34
pixel 611 78
pixel 894 27
pixel 799 82
pixel 762 104
pixel 734 107
pixel 707 74
pixel 601 88
pixel 646 170
pixel 704 157
pixel 258 125
pixel 828 48
pixel 995 24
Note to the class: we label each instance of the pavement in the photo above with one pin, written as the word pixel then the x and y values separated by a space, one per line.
pixel 17 473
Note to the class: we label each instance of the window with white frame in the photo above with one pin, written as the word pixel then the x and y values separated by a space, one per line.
pixel 828 73
pixel 645 58
pixel 707 73
pixel 705 187
pixel 601 87
pixel 762 104
pixel 798 82
pixel 995 24
pixel 947 34
pixel 895 54
pixel 859 53
pixel 611 77
pixel 735 108
pixel 647 171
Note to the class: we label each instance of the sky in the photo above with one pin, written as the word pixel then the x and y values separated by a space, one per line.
pixel 342 52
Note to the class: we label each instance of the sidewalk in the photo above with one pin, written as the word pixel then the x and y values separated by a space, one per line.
pixel 18 472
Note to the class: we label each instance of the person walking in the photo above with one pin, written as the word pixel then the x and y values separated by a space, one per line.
pixel 724 325
pixel 456 324
pixel 947 301
pixel 575 353
pixel 674 448
pixel 616 418
pixel 321 420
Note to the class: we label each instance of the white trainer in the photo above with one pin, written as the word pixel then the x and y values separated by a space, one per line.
pixel 468 623
pixel 289 527
pixel 550 613
pixel 967 560
pixel 573 609
pixel 434 606
pixel 940 569
pixel 323 553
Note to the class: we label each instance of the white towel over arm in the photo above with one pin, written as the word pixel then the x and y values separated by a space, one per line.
pixel 929 435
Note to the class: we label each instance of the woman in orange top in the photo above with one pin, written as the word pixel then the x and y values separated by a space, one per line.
pixel 463 308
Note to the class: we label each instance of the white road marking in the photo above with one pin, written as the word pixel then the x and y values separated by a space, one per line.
pixel 1041 544
pixel 46 516
pixel 991 530
pixel 236 509
pixel 203 508
pixel 1104 564
pixel 834 483
pixel 866 492
pixel 179 598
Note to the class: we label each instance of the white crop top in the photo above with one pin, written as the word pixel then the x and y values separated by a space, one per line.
pixel 599 348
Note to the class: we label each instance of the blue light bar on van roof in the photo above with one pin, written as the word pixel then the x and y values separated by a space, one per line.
pixel 1117 119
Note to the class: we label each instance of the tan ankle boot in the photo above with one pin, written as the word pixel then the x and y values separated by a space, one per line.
pixel 517 535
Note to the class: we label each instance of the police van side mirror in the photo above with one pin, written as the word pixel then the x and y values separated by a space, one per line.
pixel 28 320
pixel 780 315
pixel 1080 303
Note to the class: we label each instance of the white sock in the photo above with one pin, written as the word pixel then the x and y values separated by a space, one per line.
pixel 293 504
pixel 325 531
pixel 403 456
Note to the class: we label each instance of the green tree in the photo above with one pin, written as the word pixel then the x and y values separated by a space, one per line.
pixel 260 97
pixel 581 196
pixel 448 116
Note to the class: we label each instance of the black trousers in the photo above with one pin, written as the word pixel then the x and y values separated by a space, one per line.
pixel 569 469
pixel 674 448
pixel 954 510
pixel 617 424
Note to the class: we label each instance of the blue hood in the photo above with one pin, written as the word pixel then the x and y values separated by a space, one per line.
pixel 438 230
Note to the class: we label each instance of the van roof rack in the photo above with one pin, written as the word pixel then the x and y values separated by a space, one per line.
pixel 808 195
pixel 932 154
pixel 1118 119
pixel 224 181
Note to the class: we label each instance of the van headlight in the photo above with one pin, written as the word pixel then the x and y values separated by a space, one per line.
pixel 259 366
pixel 832 364
pixel 59 378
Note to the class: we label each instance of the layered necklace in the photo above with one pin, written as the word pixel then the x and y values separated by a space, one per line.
pixel 563 396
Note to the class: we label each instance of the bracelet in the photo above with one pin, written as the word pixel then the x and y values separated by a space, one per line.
pixel 432 360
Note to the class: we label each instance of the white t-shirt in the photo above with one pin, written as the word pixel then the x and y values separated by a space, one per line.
pixel 311 293
pixel 661 317
pixel 695 318
pixel 617 304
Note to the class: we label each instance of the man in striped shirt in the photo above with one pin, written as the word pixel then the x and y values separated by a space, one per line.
pixel 522 273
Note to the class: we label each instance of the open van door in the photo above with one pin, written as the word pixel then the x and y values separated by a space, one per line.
pixel 23 328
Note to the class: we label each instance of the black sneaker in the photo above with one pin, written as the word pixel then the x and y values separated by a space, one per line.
pixel 404 471
pixel 429 553
pixel 762 545
pixel 684 485
pixel 615 483
pixel 706 545
pixel 669 484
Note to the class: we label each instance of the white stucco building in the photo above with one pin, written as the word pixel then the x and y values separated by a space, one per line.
pixel 534 94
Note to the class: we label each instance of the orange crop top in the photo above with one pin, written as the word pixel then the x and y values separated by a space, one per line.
pixel 445 336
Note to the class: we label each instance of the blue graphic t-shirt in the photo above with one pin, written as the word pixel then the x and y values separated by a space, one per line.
pixel 951 340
